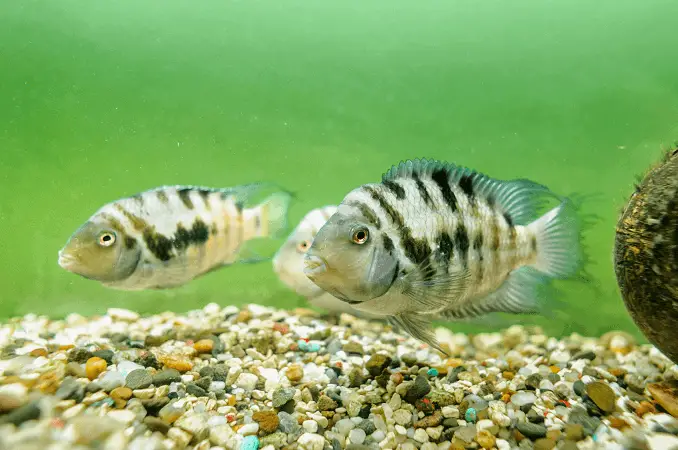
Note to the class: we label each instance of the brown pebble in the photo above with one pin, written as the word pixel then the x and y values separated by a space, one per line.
pixel 231 400
pixel 94 367
pixel 666 395
pixel 553 434
pixel 155 424
pixel 49 382
pixel 204 346
pixel 574 432
pixel 508 375
pixel 454 362
pixel 644 408
pixel 431 421
pixel 243 316
pixel 120 395
pixel 295 373
pixel 618 423
pixel 602 395
pixel 544 444
pixel 174 362
pixel 39 352
pixel 268 421
pixel 485 439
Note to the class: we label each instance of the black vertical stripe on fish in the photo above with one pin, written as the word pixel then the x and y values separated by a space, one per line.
pixel 184 195
pixel 421 187
pixel 205 195
pixel 441 178
pixel 388 244
pixel 214 229
pixel 197 234
pixel 495 232
pixel 478 247
pixel 160 246
pixel 395 187
pixel 533 244
pixel 138 223
pixel 508 219
pixel 395 272
pixel 257 222
pixel 130 242
pixel 466 185
pixel 239 205
pixel 367 212
pixel 445 250
pixel 114 222
pixel 138 199
pixel 395 216
pixel 418 251
pixel 162 196
pixel 461 242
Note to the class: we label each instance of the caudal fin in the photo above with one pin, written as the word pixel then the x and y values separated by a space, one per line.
pixel 559 247
pixel 273 214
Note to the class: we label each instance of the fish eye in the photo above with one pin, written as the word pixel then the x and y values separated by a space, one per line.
pixel 360 236
pixel 106 239
pixel 303 246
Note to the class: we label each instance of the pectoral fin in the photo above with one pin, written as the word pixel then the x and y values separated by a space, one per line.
pixel 417 326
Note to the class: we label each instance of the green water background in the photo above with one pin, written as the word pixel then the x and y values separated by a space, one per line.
pixel 100 100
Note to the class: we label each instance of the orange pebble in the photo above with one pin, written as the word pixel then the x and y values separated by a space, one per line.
pixel 94 367
pixel 39 352
pixel 180 364
pixel 204 346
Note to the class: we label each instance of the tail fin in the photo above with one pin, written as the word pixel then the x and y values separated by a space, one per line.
pixel 559 249
pixel 273 214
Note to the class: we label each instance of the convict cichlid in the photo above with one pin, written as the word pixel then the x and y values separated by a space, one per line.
pixel 288 263
pixel 437 241
pixel 166 237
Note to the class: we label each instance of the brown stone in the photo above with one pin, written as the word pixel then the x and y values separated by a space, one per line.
pixel 268 421
pixel 204 346
pixel 176 362
pixel 666 394
pixel 120 395
pixel 602 395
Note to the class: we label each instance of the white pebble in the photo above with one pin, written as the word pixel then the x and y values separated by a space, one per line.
pixel 357 436
pixel 402 417
pixel 246 381
pixel 122 415
pixel 502 444
pixel 123 314
pixel 420 435
pixel 523 398
pixel 310 425
pixel 186 378
pixel 395 402
pixel 309 441
pixel 250 428
pixel 430 446
pixel 216 386
pixel 401 430
pixel 450 412
pixel 344 426
pixel 125 367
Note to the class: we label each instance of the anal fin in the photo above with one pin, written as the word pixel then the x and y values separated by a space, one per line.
pixel 417 326
pixel 525 291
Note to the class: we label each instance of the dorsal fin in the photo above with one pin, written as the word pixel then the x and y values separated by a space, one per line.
pixel 520 199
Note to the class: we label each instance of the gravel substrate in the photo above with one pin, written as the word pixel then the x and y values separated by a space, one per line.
pixel 259 377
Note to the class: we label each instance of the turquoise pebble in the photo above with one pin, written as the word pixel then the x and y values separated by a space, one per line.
pixel 303 345
pixel 432 372
pixel 471 415
pixel 250 443
pixel 314 347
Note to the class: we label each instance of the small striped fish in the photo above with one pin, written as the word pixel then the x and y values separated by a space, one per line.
pixel 166 237
pixel 436 241
pixel 288 263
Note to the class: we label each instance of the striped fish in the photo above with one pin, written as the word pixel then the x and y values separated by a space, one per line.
pixel 166 237
pixel 437 241
pixel 288 263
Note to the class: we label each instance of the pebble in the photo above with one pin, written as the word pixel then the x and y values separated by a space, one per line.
pixel 310 441
pixel 602 395
pixel 250 443
pixel 94 367
pixel 357 436
pixel 268 420
pixel 166 376
pixel 138 379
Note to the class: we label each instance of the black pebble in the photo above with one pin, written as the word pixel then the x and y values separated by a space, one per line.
pixel 579 388
pixel 532 382
pixel 148 359
pixel 365 411
pixel 79 355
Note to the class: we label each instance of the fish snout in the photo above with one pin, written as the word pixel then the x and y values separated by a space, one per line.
pixel 314 266
pixel 66 261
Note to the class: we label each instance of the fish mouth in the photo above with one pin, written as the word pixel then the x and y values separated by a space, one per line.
pixel 66 261
pixel 314 266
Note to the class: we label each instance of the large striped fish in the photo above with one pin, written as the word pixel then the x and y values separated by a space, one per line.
pixel 436 241
pixel 165 237
pixel 288 263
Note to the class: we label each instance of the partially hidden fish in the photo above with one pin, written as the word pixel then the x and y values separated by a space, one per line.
pixel 166 237
pixel 436 241
pixel 288 263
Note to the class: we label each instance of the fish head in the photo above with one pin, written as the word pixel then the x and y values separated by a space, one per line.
pixel 99 251
pixel 349 259
pixel 288 262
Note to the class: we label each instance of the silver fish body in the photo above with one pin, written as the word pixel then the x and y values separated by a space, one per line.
pixel 437 241
pixel 288 263
pixel 166 237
